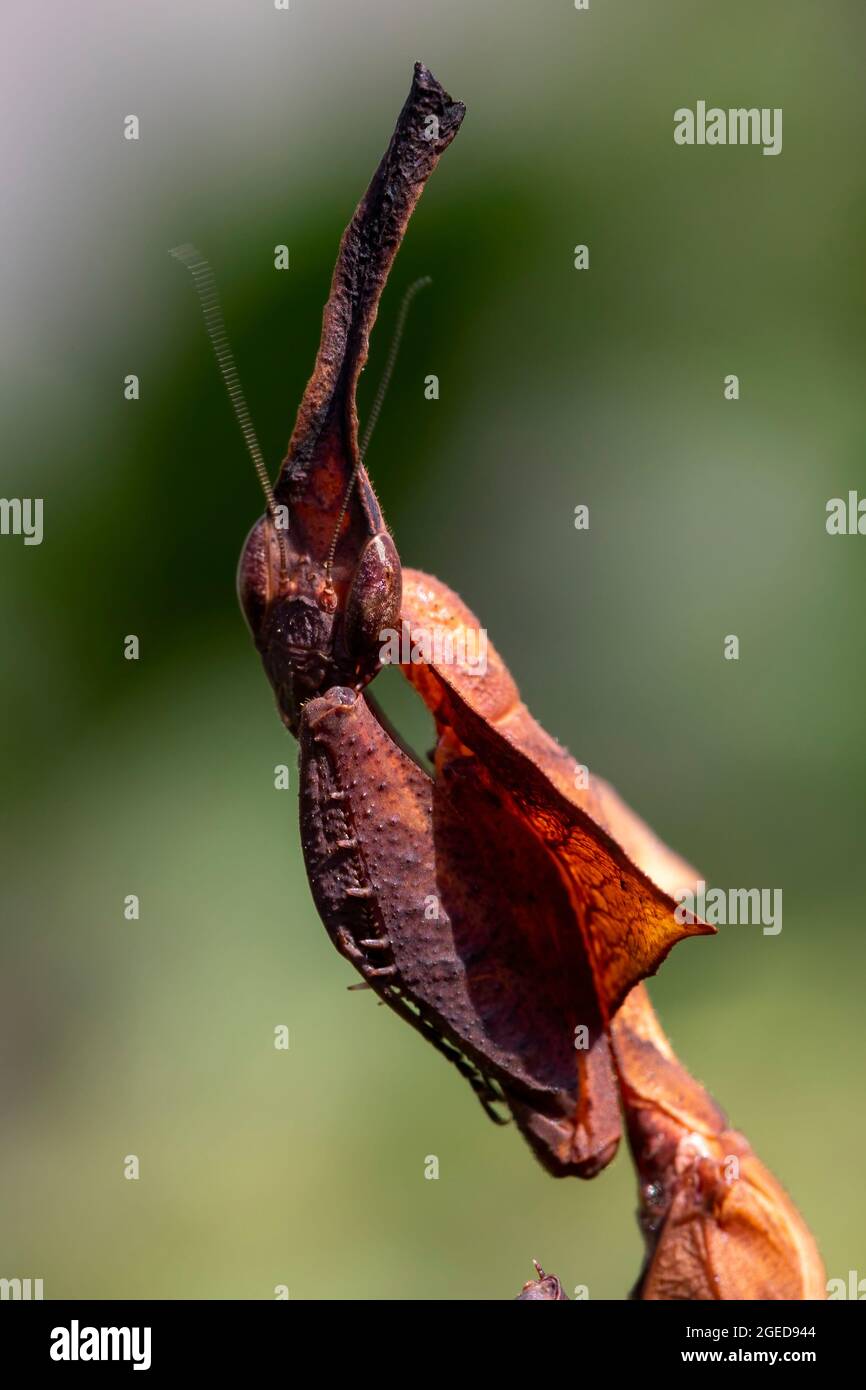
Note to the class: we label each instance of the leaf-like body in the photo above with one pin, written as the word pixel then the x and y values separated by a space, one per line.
pixel 432 899
pixel 607 854
pixel 717 1223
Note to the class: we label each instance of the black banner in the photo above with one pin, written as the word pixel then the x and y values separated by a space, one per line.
pixel 217 1338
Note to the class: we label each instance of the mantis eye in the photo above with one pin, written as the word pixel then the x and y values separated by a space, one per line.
pixel 373 603
pixel 258 572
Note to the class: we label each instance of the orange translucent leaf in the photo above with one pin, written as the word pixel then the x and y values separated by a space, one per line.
pixel 607 854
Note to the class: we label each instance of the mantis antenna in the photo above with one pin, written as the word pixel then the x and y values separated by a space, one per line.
pixel 376 408
pixel 206 288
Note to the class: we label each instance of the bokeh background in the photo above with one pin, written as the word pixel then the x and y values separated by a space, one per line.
pixel 258 127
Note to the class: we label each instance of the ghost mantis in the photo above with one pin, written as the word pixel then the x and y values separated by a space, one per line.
pixel 507 907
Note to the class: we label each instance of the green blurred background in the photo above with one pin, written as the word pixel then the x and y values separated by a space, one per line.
pixel 306 1167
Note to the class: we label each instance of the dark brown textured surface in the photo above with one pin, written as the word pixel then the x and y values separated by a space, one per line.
pixel 324 444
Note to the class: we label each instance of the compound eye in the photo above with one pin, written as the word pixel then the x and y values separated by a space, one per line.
pixel 252 577
pixel 258 573
pixel 373 603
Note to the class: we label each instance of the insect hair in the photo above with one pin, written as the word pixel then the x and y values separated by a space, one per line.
pixel 206 288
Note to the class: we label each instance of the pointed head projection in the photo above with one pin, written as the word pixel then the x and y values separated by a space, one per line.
pixel 319 576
